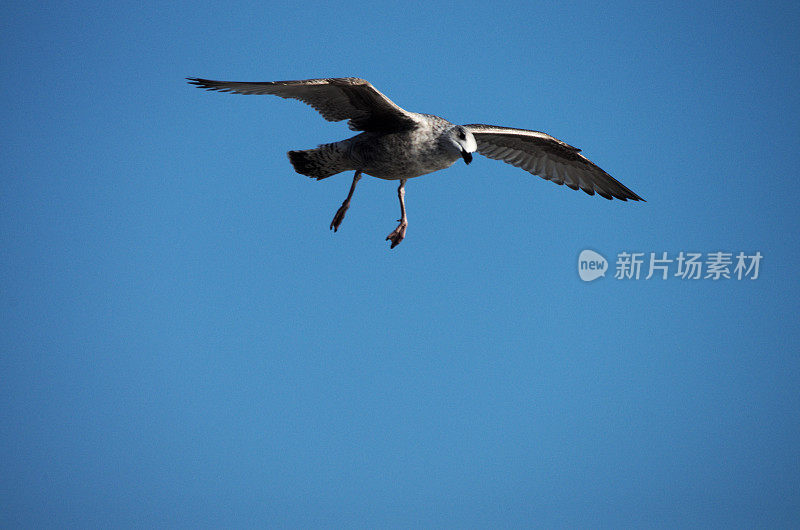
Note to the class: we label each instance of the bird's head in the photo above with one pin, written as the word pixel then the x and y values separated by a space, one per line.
pixel 463 140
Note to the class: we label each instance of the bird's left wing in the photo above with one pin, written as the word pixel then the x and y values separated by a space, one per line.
pixel 542 155
pixel 339 98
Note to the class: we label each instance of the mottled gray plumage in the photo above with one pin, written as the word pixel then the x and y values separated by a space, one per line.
pixel 397 145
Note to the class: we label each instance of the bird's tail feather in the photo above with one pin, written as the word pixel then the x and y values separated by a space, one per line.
pixel 319 163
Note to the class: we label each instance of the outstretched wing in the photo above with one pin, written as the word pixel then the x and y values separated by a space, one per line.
pixel 336 99
pixel 541 154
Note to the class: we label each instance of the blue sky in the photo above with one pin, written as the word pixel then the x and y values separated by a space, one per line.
pixel 186 344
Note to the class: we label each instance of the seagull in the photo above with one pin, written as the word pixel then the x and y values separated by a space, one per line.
pixel 396 144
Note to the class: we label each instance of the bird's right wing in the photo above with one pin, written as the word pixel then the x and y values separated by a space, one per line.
pixel 541 154
pixel 340 98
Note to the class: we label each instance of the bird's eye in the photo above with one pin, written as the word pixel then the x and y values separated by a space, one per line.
pixel 462 135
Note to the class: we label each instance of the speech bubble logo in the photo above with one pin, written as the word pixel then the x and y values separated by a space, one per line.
pixel 591 265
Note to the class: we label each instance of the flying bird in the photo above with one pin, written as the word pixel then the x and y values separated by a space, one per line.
pixel 396 144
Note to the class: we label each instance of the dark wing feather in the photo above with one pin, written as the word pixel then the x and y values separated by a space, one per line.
pixel 342 98
pixel 542 155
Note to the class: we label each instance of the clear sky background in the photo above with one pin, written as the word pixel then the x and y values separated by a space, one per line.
pixel 185 343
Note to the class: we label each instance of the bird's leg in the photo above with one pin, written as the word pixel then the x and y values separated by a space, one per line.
pixel 339 217
pixel 400 232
